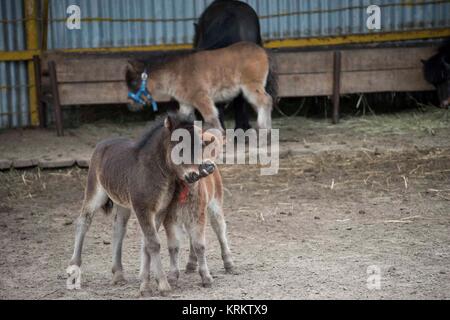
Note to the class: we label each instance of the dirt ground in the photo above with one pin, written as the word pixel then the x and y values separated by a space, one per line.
pixel 368 194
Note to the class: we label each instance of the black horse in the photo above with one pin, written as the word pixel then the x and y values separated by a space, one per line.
pixel 437 72
pixel 223 23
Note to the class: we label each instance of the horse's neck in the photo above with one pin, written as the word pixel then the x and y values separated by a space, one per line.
pixel 162 81
pixel 154 151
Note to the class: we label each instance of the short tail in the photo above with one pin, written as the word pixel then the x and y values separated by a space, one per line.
pixel 272 79
pixel 108 206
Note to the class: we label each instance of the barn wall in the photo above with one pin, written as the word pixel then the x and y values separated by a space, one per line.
pixel 14 110
pixel 114 23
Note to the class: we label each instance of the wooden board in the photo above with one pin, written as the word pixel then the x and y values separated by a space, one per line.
pixel 363 70
pixel 304 62
pixel 384 80
pixel 385 59
pixel 96 93
pixel 92 79
pixel 91 70
pixel 303 85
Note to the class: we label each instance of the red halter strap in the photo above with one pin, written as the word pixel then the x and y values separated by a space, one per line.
pixel 184 192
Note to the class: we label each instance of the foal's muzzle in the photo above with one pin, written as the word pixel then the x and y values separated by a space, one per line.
pixel 204 170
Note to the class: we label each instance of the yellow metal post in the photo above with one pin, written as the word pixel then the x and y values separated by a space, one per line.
pixel 31 27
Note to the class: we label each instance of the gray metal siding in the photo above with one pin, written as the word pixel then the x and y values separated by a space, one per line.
pixel 14 111
pixel 155 22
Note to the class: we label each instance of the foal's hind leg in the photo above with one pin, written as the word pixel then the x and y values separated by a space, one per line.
pixel 220 229
pixel 196 231
pixel 95 199
pixel 261 101
pixel 192 263
pixel 122 215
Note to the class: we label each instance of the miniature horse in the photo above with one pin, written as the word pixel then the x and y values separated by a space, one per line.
pixel 200 79
pixel 140 176
pixel 223 23
pixel 191 209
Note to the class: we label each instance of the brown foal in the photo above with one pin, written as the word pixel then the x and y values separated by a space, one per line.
pixel 200 79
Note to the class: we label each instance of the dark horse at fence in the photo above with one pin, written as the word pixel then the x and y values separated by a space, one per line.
pixel 223 23
pixel 437 72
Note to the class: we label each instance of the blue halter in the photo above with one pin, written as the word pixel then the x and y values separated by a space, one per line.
pixel 143 91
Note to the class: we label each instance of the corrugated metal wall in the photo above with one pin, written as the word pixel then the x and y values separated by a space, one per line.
pixel 14 111
pixel 156 22
pixel 119 23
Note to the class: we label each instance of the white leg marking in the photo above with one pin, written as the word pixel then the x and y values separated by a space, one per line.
pixel 186 109
pixel 73 277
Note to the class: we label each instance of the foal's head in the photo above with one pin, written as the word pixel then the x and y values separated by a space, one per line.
pixel 151 63
pixel 190 150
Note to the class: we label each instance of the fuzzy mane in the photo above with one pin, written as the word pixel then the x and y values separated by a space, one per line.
pixel 178 121
pixel 151 62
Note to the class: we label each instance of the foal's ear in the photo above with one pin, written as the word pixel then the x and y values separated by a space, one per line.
pixel 168 123
pixel 136 66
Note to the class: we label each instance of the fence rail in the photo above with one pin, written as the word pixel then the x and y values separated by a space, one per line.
pixel 33 26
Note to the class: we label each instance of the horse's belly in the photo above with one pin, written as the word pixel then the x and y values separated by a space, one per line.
pixel 117 195
pixel 226 94
pixel 120 200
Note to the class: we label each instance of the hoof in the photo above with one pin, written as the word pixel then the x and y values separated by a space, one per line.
pixel 191 267
pixel 73 281
pixel 118 278
pixel 144 290
pixel 206 168
pixel 173 278
pixel 229 268
pixel 192 177
pixel 164 289
pixel 164 293
pixel 207 282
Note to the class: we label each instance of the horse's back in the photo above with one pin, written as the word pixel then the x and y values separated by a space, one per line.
pixel 108 152
pixel 226 22
pixel 246 47
pixel 242 51
pixel 249 56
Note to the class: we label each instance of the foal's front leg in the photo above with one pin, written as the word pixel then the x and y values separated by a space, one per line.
pixel 196 230
pixel 122 215
pixel 205 105
pixel 172 232
pixel 151 251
